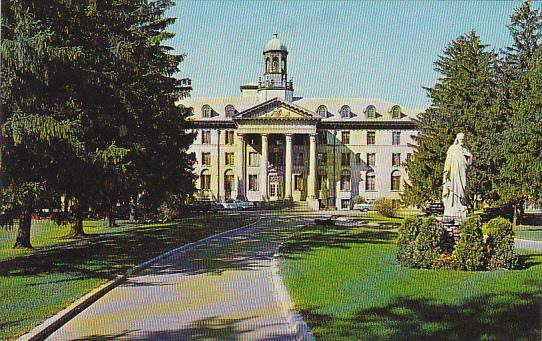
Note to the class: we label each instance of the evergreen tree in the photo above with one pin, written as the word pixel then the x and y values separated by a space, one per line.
pixel 463 100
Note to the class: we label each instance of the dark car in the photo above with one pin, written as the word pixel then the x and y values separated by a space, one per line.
pixel 206 206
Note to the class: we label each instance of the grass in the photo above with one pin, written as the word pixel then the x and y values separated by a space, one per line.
pixel 347 285
pixel 531 232
pixel 38 283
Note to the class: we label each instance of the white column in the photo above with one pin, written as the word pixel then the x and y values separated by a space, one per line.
pixel 311 186
pixel 263 167
pixel 218 168
pixel 288 168
pixel 240 166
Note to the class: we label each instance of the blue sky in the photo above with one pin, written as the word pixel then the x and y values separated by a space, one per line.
pixel 336 49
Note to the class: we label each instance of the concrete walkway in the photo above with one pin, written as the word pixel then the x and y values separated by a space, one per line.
pixel 526 244
pixel 222 289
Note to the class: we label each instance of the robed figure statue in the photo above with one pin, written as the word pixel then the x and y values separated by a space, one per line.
pixel 458 159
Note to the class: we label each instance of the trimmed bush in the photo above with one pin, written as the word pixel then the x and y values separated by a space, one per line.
pixel 470 247
pixel 359 200
pixel 447 260
pixel 426 245
pixel 385 207
pixel 408 231
pixel 500 244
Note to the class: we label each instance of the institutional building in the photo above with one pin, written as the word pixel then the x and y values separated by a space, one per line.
pixel 268 144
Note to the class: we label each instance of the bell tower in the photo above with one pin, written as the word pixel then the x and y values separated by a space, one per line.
pixel 274 82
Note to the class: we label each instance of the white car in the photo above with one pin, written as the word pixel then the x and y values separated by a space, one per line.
pixel 365 207
pixel 237 204
pixel 229 205
pixel 244 205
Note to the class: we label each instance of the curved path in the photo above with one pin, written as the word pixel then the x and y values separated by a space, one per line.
pixel 221 289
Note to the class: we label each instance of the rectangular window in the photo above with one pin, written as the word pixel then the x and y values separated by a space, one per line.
pixel 396 138
pixel 206 181
pixel 253 159
pixel 370 182
pixel 322 137
pixel 345 137
pixel 206 159
pixel 371 159
pixel 396 159
pixel 322 158
pixel 345 182
pixel 371 137
pixel 358 158
pixel 298 182
pixel 229 159
pixel 345 159
pixel 298 159
pixel 229 137
pixel 253 182
pixel 345 204
pixel 322 182
pixel 206 137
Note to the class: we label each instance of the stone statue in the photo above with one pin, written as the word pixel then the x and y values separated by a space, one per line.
pixel 458 159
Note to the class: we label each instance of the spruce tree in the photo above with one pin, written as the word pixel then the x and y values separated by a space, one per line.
pixel 463 100
pixel 520 178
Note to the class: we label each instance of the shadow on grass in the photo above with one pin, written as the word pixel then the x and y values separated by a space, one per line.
pixel 106 255
pixel 210 328
pixel 506 316
pixel 326 237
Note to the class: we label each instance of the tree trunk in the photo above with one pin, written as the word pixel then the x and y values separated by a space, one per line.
pixel 25 223
pixel 77 227
pixel 517 214
pixel 133 209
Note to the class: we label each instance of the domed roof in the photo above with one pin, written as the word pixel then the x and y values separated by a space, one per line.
pixel 274 45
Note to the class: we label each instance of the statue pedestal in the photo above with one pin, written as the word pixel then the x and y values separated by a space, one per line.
pixel 449 235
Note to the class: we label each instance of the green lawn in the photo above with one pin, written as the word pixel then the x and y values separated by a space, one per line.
pixel 347 285
pixel 531 232
pixel 38 283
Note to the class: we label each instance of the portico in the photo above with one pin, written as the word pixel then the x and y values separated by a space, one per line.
pixel 280 124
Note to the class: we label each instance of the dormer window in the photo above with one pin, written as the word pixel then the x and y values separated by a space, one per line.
pixel 396 112
pixel 345 111
pixel 230 110
pixel 322 111
pixel 206 111
pixel 371 111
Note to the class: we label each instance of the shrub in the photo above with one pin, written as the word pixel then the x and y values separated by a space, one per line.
pixel 171 208
pixel 408 231
pixel 448 261
pixel 385 207
pixel 500 244
pixel 426 245
pixel 470 247
pixel 359 200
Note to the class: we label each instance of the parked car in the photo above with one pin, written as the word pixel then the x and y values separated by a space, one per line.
pixel 366 206
pixel 205 206
pixel 237 204
pixel 244 205
pixel 431 208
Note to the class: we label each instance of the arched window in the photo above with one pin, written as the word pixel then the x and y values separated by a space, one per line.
pixel 395 180
pixel 206 111
pixel 345 111
pixel 229 110
pixel 396 112
pixel 371 111
pixel 345 180
pixel 370 182
pixel 205 180
pixel 229 182
pixel 267 65
pixel 275 65
pixel 283 65
pixel 322 111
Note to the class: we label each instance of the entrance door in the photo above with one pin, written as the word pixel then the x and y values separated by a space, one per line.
pixel 228 184
pixel 275 188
